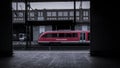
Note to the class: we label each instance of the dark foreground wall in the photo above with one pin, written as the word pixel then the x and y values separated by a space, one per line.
pixel 5 28
pixel 105 28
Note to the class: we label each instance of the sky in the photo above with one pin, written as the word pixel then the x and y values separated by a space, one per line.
pixel 53 5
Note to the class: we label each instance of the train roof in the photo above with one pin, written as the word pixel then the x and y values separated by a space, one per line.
pixel 65 31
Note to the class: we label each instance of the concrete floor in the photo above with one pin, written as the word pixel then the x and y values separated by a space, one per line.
pixel 56 59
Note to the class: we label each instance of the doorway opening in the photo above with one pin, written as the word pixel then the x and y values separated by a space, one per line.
pixel 30 20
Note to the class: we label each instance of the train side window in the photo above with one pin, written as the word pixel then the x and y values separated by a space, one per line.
pixel 61 34
pixel 74 35
pixel 54 35
pixel 68 35
pixel 49 35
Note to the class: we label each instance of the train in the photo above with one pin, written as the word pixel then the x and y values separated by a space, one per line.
pixel 64 37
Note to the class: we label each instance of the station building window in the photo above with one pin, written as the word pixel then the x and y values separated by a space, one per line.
pixel 65 13
pixel 14 14
pixel 85 18
pixel 19 14
pixel 49 14
pixel 85 15
pixel 31 14
pixel 77 13
pixel 71 13
pixel 53 13
pixel 59 13
pixel 40 13
pixel 40 16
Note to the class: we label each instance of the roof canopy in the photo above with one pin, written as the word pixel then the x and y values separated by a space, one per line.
pixel 46 0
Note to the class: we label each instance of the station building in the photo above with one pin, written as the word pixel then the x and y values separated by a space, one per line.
pixel 42 20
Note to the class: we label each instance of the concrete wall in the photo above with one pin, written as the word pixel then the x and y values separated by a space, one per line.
pixel 35 33
pixel 82 27
pixel 48 28
pixel 78 27
pixel 5 28
pixel 38 29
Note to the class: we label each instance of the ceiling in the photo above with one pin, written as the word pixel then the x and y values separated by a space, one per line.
pixel 46 0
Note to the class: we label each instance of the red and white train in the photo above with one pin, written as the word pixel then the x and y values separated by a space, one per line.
pixel 64 37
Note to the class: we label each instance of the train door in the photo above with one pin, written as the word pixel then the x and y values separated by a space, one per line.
pixel 82 37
